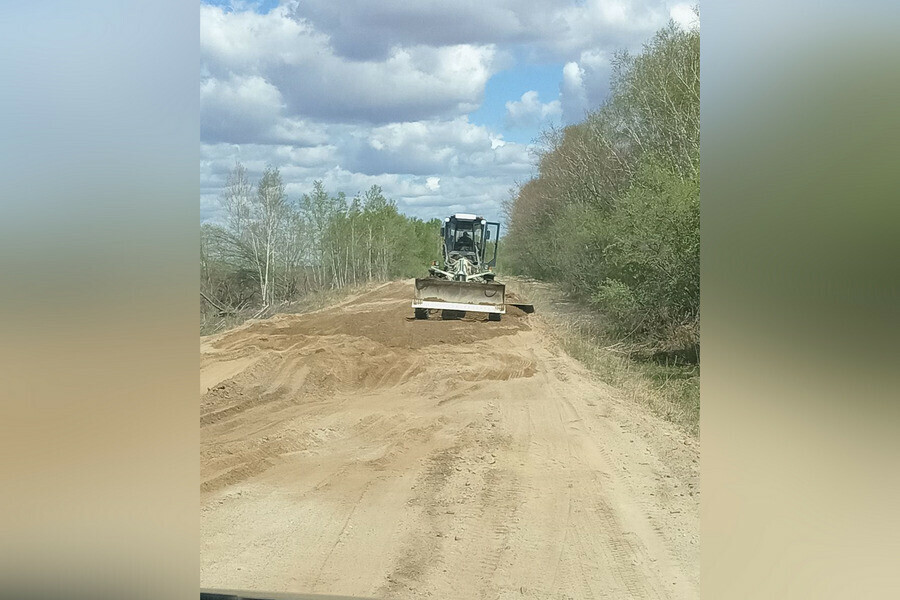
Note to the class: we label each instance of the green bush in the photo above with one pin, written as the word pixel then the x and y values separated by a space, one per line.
pixel 618 301
pixel 655 251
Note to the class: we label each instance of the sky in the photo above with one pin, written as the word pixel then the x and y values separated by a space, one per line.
pixel 438 102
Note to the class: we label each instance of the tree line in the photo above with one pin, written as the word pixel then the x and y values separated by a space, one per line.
pixel 613 212
pixel 271 249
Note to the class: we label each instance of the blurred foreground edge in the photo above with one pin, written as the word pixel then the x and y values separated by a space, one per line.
pixel 244 595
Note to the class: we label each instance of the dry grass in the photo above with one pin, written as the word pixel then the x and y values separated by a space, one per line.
pixel 672 391
pixel 212 323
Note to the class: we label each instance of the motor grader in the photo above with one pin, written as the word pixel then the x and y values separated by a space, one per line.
pixel 463 281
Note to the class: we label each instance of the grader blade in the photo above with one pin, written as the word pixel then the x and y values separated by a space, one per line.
pixel 465 296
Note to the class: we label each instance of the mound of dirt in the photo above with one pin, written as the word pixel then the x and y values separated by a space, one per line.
pixel 385 317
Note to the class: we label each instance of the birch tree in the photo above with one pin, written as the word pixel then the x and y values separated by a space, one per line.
pixel 268 216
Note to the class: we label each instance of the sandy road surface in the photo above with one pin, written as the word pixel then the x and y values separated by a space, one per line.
pixel 353 451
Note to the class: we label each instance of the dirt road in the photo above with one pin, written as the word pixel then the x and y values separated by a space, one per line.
pixel 355 451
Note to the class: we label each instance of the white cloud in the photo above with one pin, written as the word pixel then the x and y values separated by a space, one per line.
pixel 432 147
pixel 594 59
pixel 529 111
pixel 585 84
pixel 596 69
pixel 608 24
pixel 683 14
pixel 573 75
pixel 572 93
pixel 413 82
pixel 247 40
pixel 557 29
pixel 433 183
pixel 238 109
pixel 362 30
pixel 243 109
